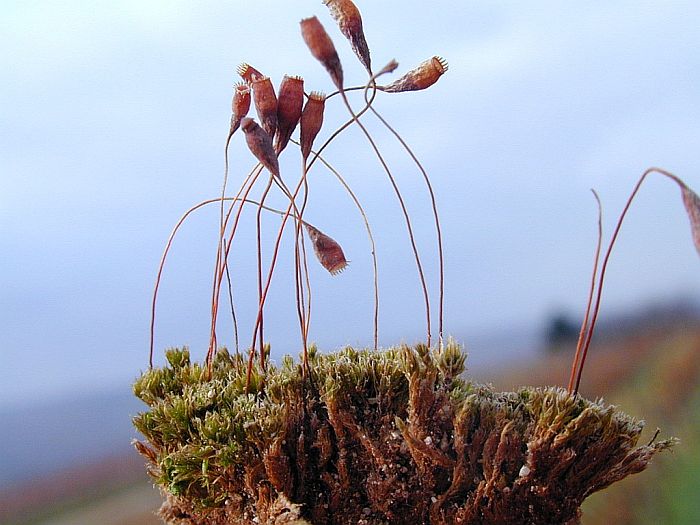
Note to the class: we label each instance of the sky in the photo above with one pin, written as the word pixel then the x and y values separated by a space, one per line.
pixel 113 118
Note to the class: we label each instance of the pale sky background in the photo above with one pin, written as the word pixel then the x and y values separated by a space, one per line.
pixel 113 117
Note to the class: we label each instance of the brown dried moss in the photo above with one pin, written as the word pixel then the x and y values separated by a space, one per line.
pixel 374 437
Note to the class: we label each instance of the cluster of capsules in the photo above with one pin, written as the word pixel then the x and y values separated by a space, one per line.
pixel 280 113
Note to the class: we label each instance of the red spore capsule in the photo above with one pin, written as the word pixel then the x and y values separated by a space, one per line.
pixel 260 145
pixel 289 106
pixel 347 15
pixel 248 73
pixel 239 105
pixel 311 121
pixel 422 77
pixel 265 104
pixel 322 48
pixel 328 251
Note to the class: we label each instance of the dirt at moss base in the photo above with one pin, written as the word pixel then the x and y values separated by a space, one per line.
pixel 396 436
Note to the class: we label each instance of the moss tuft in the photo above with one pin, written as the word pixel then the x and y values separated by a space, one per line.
pixel 374 437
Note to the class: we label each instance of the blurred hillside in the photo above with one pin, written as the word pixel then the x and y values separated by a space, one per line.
pixel 654 374
pixel 111 491
pixel 651 371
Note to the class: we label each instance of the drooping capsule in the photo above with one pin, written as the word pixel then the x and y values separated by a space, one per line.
pixel 349 20
pixel 311 121
pixel 265 104
pixel 692 206
pixel 260 145
pixel 328 251
pixel 422 77
pixel 322 48
pixel 289 107
pixel 239 105
pixel 248 73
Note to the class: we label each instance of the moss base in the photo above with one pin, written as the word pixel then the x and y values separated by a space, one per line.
pixel 371 438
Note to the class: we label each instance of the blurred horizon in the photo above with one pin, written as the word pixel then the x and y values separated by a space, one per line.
pixel 490 348
pixel 56 425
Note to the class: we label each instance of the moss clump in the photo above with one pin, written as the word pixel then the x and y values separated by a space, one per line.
pixel 374 437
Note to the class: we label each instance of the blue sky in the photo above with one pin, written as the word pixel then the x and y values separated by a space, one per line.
pixel 114 115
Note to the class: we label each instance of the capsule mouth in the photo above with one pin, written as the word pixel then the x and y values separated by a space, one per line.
pixel 243 69
pixel 248 72
pixel 295 78
pixel 338 268
pixel 317 95
pixel 248 124
pixel 440 63
pixel 242 88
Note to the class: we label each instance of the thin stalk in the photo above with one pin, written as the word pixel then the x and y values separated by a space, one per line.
pixel 301 266
pixel 219 277
pixel 299 295
pixel 258 326
pixel 219 269
pixel 259 261
pixel 168 245
pixel 159 275
pixel 353 88
pixel 358 88
pixel 300 263
pixel 264 294
pixel 406 215
pixel 305 268
pixel 298 268
pixel 303 322
pixel 601 279
pixel 438 229
pixel 361 210
pixel 233 309
pixel 591 291
pixel 304 318
pixel 344 126
pixel 220 245
pixel 300 300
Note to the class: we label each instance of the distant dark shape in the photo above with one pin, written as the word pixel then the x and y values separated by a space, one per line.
pixel 561 332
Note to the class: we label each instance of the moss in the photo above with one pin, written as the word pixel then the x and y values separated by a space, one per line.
pixel 374 437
